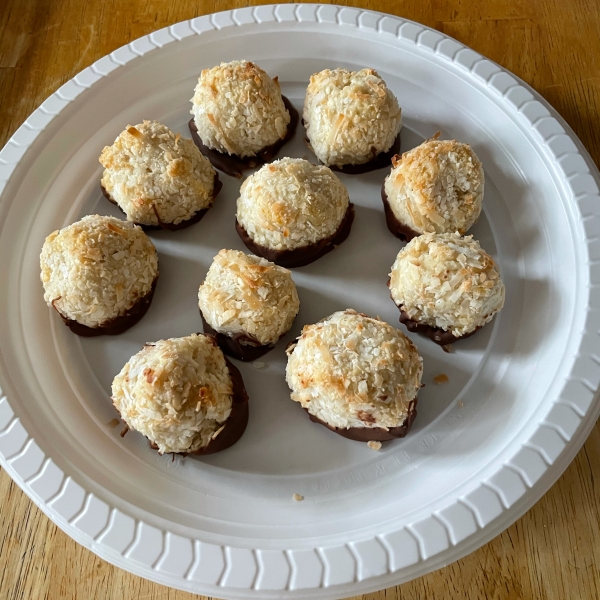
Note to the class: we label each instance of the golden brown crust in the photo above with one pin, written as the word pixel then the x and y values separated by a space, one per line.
pixel 247 295
pixel 291 203
pixel 238 109
pixel 151 171
pixel 436 187
pixel 97 269
pixel 447 281
pixel 350 116
pixel 350 370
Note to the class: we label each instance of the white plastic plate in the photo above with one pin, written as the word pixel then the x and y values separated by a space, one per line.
pixel 520 399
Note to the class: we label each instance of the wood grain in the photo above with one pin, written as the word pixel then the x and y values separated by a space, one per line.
pixel 551 552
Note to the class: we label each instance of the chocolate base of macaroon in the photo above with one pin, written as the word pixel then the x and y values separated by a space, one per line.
pixel 373 434
pixel 435 334
pixel 234 165
pixel 113 326
pixel 195 218
pixel 399 229
pixel 379 161
pixel 304 255
pixel 240 346
pixel 235 424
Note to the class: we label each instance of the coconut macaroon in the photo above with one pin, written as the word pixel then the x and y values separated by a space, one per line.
pixel 352 120
pixel 445 286
pixel 99 274
pixel 357 375
pixel 240 117
pixel 292 212
pixel 157 178
pixel 248 302
pixel 183 395
pixel 436 187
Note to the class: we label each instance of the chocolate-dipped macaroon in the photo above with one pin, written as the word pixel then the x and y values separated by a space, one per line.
pixel 248 303
pixel 241 120
pixel 183 395
pixel 436 187
pixel 352 120
pixel 445 286
pixel 356 375
pixel 292 212
pixel 99 274
pixel 157 178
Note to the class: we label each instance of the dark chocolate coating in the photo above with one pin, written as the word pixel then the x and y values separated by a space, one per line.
pixel 197 216
pixel 118 324
pixel 239 346
pixel 375 434
pixel 299 257
pixel 379 161
pixel 235 425
pixel 435 334
pixel 400 230
pixel 234 165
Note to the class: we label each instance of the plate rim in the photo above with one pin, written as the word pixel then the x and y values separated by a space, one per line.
pixel 551 446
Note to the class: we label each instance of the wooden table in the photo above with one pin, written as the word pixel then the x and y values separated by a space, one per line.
pixel 554 45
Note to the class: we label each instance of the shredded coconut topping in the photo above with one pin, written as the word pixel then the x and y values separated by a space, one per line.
pixel 436 187
pixel 447 281
pixel 96 269
pixel 291 203
pixel 152 173
pixel 176 392
pixel 350 116
pixel 350 370
pixel 245 294
pixel 238 109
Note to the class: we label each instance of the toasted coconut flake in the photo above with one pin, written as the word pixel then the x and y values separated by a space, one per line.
pixel 238 109
pixel 436 187
pixel 135 132
pixel 246 294
pixel 371 385
pixel 217 432
pixel 350 116
pixel 374 445
pixel 291 203
pixel 96 269
pixel 151 171
pixel 187 404
pixel 446 290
